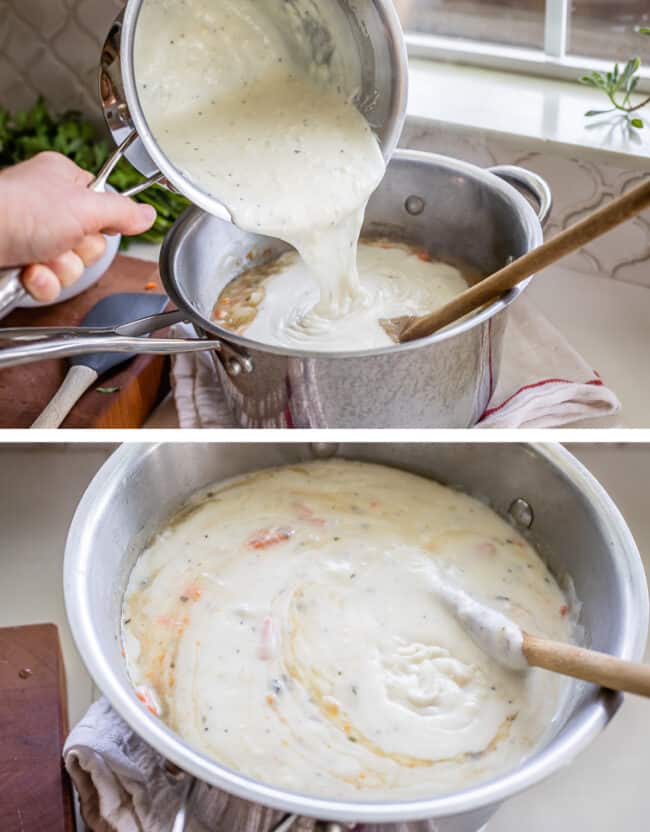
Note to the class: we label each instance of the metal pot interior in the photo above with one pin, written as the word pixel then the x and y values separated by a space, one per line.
pixel 576 527
pixel 468 216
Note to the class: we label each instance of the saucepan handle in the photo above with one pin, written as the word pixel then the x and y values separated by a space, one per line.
pixel 12 291
pixel 100 182
pixel 30 352
pixel 530 182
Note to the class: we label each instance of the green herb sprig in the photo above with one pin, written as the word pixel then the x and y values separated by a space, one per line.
pixel 25 133
pixel 619 85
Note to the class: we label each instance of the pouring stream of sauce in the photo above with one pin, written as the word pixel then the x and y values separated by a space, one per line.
pixel 239 107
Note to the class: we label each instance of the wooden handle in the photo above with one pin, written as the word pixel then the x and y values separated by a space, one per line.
pixel 75 384
pixel 566 242
pixel 600 668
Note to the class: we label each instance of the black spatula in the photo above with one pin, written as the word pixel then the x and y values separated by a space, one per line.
pixel 84 371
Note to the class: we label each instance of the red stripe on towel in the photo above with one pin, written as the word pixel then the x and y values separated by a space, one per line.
pixel 595 382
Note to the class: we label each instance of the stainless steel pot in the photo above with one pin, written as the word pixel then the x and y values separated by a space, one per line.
pixel 453 209
pixel 568 515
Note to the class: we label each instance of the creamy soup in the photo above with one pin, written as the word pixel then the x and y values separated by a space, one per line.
pixel 237 104
pixel 291 624
pixel 276 303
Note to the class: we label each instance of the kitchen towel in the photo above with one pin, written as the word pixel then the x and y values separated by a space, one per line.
pixel 125 786
pixel 543 382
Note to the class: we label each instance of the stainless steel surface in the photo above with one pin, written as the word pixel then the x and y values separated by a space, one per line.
pixel 185 809
pixel 142 326
pixel 469 215
pixel 521 513
pixel 367 40
pixel 576 527
pixel 42 343
pixel 285 824
pixel 532 183
pixel 12 291
pixel 52 348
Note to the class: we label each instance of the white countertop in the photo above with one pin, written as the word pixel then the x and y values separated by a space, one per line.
pixel 608 323
pixel 606 788
pixel 548 113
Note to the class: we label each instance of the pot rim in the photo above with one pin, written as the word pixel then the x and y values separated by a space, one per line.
pixel 395 38
pixel 593 717
pixel 194 215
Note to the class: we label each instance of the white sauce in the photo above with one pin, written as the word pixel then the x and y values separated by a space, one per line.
pixel 394 280
pixel 292 625
pixel 236 105
pixel 492 631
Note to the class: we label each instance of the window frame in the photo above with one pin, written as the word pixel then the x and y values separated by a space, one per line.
pixel 551 62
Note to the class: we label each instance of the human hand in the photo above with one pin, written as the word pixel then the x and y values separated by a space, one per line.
pixel 50 219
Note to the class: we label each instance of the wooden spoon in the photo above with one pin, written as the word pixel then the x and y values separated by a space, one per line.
pixel 600 668
pixel 619 210
pixel 506 643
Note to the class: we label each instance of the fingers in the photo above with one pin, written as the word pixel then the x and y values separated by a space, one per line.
pixel 68 268
pixel 115 213
pixel 91 249
pixel 44 281
pixel 41 283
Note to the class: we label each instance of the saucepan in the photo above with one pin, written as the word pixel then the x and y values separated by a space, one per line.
pixel 362 41
pixel 453 209
pixel 541 489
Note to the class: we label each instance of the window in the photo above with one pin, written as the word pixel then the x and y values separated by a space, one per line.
pixel 606 29
pixel 558 38
pixel 510 22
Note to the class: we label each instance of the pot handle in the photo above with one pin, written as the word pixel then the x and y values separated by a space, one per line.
pixel 12 291
pixel 532 183
pixel 30 352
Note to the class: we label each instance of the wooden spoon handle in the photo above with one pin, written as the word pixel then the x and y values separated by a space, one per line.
pixel 600 668
pixel 600 222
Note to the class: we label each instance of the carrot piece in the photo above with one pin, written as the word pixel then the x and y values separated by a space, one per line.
pixel 264 538
pixel 147 701
pixel 192 592
pixel 151 285
pixel 266 649
pixel 306 513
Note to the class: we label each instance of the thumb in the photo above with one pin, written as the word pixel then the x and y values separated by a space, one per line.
pixel 117 214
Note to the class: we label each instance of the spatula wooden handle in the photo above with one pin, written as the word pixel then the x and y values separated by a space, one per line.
pixel 600 668
pixel 600 222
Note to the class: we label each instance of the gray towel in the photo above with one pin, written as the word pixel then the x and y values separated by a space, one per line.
pixel 125 786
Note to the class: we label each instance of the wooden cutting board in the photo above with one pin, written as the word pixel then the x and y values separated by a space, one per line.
pixel 142 383
pixel 35 793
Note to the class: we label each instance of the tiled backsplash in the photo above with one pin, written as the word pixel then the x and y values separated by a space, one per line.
pixel 52 47
pixel 578 186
